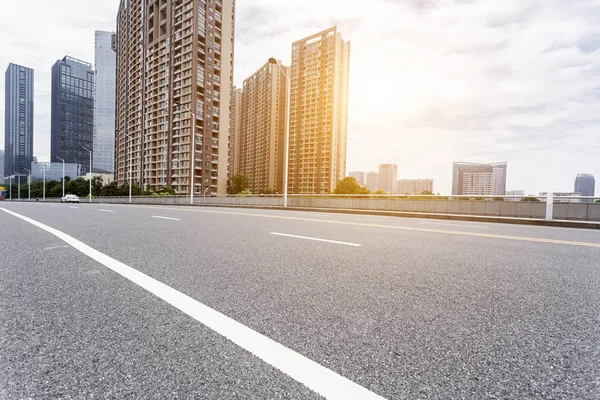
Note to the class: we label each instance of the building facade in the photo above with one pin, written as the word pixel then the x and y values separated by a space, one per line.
pixel 262 137
pixel 388 177
pixel 72 125
pixel 471 179
pixel 372 181
pixel 517 192
pixel 54 170
pixel 174 82
pixel 18 119
pixel 359 176
pixel 586 185
pixel 104 102
pixel 414 186
pixel 318 112
pixel 2 166
pixel 563 197
pixel 235 128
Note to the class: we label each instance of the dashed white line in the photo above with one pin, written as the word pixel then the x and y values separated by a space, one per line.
pixel 73 207
pixel 315 239
pixel 109 211
pixel 170 219
pixel 55 247
pixel 321 380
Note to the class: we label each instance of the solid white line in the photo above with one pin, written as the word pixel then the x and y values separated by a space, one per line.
pixel 315 239
pixel 311 374
pixel 463 225
pixel 170 219
pixel 106 211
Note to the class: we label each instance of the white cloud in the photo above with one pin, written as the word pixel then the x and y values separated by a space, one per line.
pixel 432 81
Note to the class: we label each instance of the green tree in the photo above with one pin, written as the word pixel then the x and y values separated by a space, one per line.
pixel 79 187
pixel 239 183
pixel 531 198
pixel 97 183
pixel 498 198
pixel 349 185
pixel 427 193
pixel 380 191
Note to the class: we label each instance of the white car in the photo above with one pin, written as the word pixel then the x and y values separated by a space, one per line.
pixel 70 198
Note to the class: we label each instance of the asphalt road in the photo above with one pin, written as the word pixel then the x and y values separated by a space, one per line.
pixel 404 308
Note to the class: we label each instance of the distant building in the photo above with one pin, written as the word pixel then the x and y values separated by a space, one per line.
pixel 557 197
pixel 586 185
pixel 359 176
pixel 72 126
pixel 372 181
pixel 262 136
pixel 318 112
pixel 388 177
pixel 472 179
pixel 1 165
pixel 235 129
pixel 18 119
pixel 54 170
pixel 414 186
pixel 106 178
pixel 104 102
pixel 515 193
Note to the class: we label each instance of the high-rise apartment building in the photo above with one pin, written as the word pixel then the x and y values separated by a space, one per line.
pixel 235 128
pixel 517 192
pixel 18 119
pixel 262 137
pixel 174 82
pixel 471 179
pixel 372 181
pixel 104 101
pixel 318 112
pixel 414 186
pixel 586 185
pixel 388 177
pixel 359 176
pixel 72 125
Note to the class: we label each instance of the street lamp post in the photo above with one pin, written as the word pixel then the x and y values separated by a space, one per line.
pixel 10 185
pixel 19 187
pixel 129 163
pixel 63 175
pixel 287 131
pixel 90 171
pixel 193 183
pixel 28 184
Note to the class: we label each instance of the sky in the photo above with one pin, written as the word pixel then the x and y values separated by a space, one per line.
pixel 431 81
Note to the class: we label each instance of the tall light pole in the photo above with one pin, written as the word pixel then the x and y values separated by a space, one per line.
pixel 19 187
pixel 129 163
pixel 287 130
pixel 43 187
pixel 10 185
pixel 63 178
pixel 192 187
pixel 90 171
pixel 28 184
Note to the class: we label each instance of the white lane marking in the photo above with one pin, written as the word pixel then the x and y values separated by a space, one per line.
pixel 316 377
pixel 463 225
pixel 106 211
pixel 170 219
pixel 55 247
pixel 315 239
pixel 73 207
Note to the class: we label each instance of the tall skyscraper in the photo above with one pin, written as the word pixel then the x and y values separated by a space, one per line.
pixel 372 181
pixel 72 126
pixel 318 112
pixel 174 83
pixel 104 102
pixel 472 179
pixel 388 177
pixel 414 186
pixel 262 138
pixel 1 165
pixel 359 176
pixel 586 185
pixel 235 128
pixel 18 119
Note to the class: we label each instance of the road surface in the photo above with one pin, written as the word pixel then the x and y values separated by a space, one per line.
pixel 120 301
